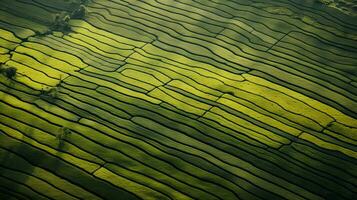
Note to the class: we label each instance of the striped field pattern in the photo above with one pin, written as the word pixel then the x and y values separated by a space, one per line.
pixel 177 99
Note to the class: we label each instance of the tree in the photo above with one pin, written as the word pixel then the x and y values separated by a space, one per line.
pixel 2 68
pixel 49 94
pixel 61 22
pixel 9 72
pixel 62 134
pixel 79 13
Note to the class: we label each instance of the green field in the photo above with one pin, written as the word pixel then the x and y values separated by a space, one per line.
pixel 178 99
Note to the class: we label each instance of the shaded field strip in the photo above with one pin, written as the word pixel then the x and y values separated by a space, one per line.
pixel 18 164
pixel 25 23
pixel 236 96
pixel 252 129
pixel 21 189
pixel 10 172
pixel 106 95
pixel 260 11
pixel 64 169
pixel 338 17
pixel 185 24
pixel 299 89
pixel 131 58
pixel 207 122
pixel 70 149
pixel 132 144
pixel 10 194
pixel 113 125
pixel 311 41
pixel 206 57
pixel 82 53
pixel 324 69
pixel 113 57
pixel 258 7
pixel 239 113
pixel 49 6
pixel 315 163
pixel 64 155
pixel 108 123
pixel 161 8
pixel 278 162
pixel 156 65
pixel 207 86
pixel 327 157
pixel 18 31
pixel 46 42
pixel 333 21
pixel 18 9
pixel 338 74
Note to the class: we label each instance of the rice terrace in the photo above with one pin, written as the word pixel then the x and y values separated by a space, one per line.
pixel 178 99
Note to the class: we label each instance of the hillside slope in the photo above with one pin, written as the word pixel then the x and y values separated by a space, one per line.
pixel 177 99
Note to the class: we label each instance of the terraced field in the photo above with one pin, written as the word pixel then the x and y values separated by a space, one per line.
pixel 177 99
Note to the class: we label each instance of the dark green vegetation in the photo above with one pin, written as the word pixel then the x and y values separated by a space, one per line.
pixel 177 99
pixel 348 7
pixel 9 72
pixel 61 21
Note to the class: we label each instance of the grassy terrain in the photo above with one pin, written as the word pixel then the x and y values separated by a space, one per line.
pixel 184 99
pixel 348 7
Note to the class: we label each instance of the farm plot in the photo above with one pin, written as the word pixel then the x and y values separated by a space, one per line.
pixel 177 99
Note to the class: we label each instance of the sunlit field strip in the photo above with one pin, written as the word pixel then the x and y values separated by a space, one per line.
pixel 164 102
